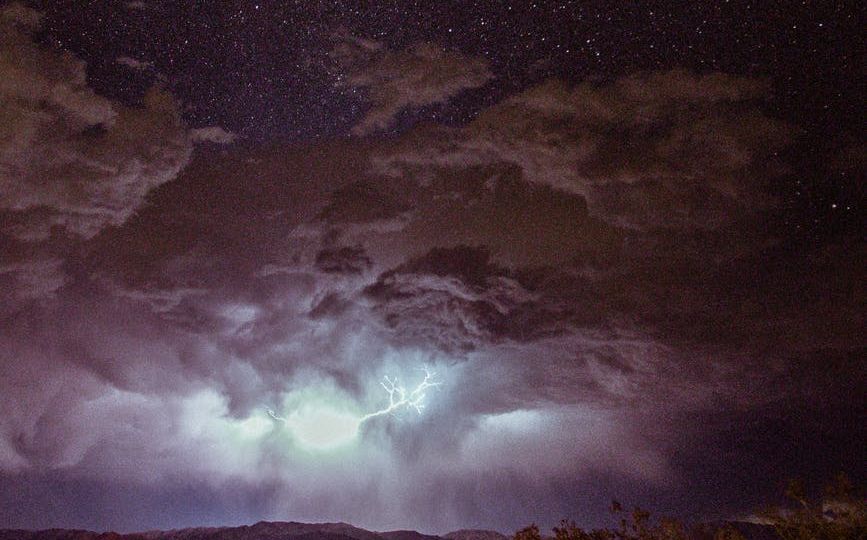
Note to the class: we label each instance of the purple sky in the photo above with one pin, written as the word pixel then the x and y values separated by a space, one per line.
pixel 626 283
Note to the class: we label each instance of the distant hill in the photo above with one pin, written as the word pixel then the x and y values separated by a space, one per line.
pixel 270 530
pixel 264 530
pixel 407 535
pixel 279 530
pixel 475 534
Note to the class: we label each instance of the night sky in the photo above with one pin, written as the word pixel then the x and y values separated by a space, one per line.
pixel 427 265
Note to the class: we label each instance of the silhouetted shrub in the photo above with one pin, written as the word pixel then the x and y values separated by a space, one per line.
pixel 840 514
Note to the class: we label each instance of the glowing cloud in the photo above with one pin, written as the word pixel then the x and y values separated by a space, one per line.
pixel 321 426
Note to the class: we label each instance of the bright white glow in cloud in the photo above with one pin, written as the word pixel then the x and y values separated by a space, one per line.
pixel 321 427
pixel 254 427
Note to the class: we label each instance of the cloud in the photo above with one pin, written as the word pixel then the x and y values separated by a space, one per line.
pixel 458 298
pixel 132 63
pixel 101 158
pixel 33 279
pixel 670 149
pixel 17 14
pixel 588 269
pixel 424 74
pixel 72 162
pixel 346 259
pixel 213 134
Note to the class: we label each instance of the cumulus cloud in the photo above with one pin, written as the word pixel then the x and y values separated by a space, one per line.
pixel 424 74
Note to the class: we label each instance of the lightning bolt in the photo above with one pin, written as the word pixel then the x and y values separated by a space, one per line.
pixel 399 398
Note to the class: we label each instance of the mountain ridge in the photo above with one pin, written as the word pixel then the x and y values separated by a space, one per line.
pixel 293 530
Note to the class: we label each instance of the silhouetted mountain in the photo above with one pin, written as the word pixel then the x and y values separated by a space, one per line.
pixel 265 530
pixel 408 535
pixel 65 534
pixel 475 534
pixel 271 530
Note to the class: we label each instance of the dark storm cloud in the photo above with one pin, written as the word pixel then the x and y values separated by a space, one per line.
pixel 584 268
pixel 347 259
pixel 456 298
